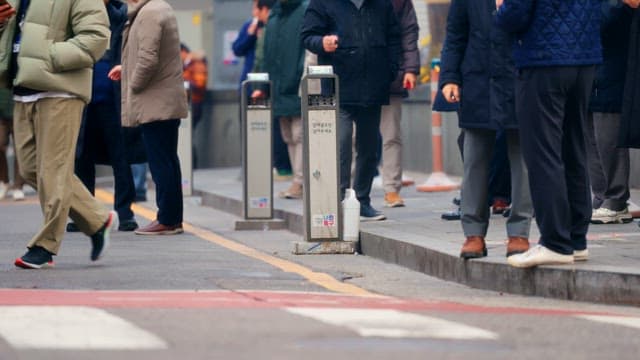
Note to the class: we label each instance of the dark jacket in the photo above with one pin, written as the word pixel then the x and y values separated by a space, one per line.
pixel 608 87
pixel 367 57
pixel 629 125
pixel 245 46
pixel 284 55
pixel 476 56
pixel 553 32
pixel 410 59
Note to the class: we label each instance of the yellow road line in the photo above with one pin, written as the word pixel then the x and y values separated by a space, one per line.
pixel 322 279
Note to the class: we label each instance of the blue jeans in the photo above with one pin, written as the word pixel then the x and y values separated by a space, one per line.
pixel 161 143
pixel 139 172
pixel 367 121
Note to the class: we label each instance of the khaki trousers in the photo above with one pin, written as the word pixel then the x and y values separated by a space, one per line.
pixel 291 130
pixel 46 132
pixel 390 131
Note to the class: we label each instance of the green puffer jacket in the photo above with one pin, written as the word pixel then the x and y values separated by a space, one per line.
pixel 61 40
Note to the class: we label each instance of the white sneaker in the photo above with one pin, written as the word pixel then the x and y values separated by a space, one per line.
pixel 581 255
pixel 607 216
pixel 3 189
pixel 539 255
pixel 17 194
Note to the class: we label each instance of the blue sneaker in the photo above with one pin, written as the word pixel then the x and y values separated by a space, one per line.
pixel 100 240
pixel 37 257
pixel 368 213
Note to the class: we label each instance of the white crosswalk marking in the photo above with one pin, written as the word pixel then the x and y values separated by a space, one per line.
pixel 72 328
pixel 632 322
pixel 394 324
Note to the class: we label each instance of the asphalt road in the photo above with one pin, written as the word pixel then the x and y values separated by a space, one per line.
pixel 213 293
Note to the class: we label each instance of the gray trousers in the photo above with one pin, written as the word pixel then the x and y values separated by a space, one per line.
pixel 608 164
pixel 478 147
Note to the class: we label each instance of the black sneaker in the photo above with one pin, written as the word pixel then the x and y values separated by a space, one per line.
pixel 368 213
pixel 100 240
pixel 72 227
pixel 451 215
pixel 128 225
pixel 36 257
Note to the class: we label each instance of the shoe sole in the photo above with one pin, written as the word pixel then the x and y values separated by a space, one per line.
pixel 522 266
pixel 473 255
pixel 372 218
pixel 107 235
pixel 165 232
pixel 612 220
pixel 515 252
pixel 25 265
pixel 394 205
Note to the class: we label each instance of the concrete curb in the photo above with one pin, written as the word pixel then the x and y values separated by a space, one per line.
pixel 561 282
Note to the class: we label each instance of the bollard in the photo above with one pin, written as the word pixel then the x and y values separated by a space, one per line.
pixel 322 208
pixel 185 152
pixel 438 180
pixel 257 187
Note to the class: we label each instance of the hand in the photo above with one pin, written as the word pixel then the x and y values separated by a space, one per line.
pixel 253 27
pixel 632 3
pixel 115 74
pixel 330 43
pixel 451 93
pixel 498 3
pixel 409 81
pixel 6 12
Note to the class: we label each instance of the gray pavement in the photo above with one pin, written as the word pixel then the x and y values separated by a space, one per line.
pixel 417 238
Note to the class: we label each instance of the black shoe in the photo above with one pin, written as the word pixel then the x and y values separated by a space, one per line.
pixel 100 240
pixel 128 225
pixel 140 198
pixel 368 213
pixel 72 227
pixel 36 257
pixel 456 201
pixel 507 213
pixel 451 215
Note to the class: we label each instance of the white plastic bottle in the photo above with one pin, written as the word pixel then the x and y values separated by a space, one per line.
pixel 351 216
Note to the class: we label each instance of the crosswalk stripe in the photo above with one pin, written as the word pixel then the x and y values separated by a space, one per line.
pixel 632 322
pixel 72 328
pixel 394 324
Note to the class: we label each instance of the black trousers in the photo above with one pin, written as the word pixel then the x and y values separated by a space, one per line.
pixel 101 128
pixel 161 143
pixel 551 105
pixel 367 122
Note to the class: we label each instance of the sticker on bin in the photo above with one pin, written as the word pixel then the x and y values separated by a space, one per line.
pixel 259 202
pixel 328 220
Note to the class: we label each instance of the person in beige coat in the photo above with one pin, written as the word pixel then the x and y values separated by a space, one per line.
pixel 47 53
pixel 154 98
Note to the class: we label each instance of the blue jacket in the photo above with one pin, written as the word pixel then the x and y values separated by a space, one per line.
pixel 476 56
pixel 608 88
pixel 553 32
pixel 245 46
pixel 105 90
pixel 369 48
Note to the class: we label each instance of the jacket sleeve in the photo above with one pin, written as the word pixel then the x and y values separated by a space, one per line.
pixel 455 43
pixel 90 27
pixel 314 27
pixel 612 12
pixel 150 27
pixel 410 33
pixel 515 15
pixel 244 42
pixel 394 41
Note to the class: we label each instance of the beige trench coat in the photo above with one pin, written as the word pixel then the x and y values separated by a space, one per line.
pixel 152 83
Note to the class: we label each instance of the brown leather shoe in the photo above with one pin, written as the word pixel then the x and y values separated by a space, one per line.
pixel 473 248
pixel 155 228
pixel 517 245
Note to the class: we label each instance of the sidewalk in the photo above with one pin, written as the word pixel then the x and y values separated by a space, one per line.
pixel 416 237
